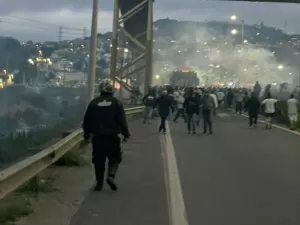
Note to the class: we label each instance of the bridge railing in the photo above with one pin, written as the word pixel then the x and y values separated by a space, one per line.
pixel 16 175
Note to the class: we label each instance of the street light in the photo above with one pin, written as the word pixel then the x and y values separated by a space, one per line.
pixel 30 61
pixel 234 32
pixel 233 17
pixel 157 76
pixel 280 67
pixel 126 50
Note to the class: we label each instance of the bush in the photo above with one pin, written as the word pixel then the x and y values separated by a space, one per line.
pixel 17 146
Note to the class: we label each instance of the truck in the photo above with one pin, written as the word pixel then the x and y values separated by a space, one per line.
pixel 184 78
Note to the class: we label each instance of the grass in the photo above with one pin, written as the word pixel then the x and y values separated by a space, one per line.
pixel 14 210
pixel 36 185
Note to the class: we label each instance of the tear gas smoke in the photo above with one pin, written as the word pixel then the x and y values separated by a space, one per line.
pixel 217 58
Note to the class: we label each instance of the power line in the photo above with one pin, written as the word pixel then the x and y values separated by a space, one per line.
pixel 67 35
pixel 43 28
pixel 49 24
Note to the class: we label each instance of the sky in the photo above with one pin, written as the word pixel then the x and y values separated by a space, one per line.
pixel 39 21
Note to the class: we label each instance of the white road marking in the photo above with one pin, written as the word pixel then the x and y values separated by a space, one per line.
pixel 277 126
pixel 177 210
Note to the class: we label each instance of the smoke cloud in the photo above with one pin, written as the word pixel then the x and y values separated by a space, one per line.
pixel 216 58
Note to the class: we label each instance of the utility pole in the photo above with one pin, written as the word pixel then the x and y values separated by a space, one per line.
pixel 60 33
pixel 114 42
pixel 148 74
pixel 84 32
pixel 86 46
pixel 93 46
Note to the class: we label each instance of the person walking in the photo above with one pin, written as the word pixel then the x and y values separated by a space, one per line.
pixel 103 121
pixel 252 106
pixel 292 109
pixel 191 107
pixel 269 108
pixel 164 104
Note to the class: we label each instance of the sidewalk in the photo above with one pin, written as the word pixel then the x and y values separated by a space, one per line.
pixel 141 198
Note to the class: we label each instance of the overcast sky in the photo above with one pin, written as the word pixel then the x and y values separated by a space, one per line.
pixel 19 17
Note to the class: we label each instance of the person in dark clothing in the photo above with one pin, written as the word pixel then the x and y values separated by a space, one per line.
pixel 246 98
pixel 229 98
pixel 149 101
pixel 208 106
pixel 252 106
pixel 164 104
pixel 191 106
pixel 104 120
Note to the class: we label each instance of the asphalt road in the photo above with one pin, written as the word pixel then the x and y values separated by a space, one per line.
pixel 238 176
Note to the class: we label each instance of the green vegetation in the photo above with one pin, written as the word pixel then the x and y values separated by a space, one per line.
pixel 14 209
pixel 36 185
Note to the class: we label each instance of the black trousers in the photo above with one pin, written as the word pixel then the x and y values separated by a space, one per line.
pixel 238 107
pixel 162 126
pixel 252 118
pixel 180 112
pixel 191 123
pixel 106 147
pixel 207 120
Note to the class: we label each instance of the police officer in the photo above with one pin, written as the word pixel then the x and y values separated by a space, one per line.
pixel 104 120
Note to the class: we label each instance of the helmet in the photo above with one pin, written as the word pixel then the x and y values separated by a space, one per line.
pixel 106 86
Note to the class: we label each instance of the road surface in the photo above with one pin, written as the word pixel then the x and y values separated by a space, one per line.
pixel 238 176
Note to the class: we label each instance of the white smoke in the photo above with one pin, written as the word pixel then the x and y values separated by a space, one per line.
pixel 216 59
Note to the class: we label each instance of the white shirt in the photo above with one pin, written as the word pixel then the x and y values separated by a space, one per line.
pixel 215 100
pixel 292 105
pixel 269 105
pixel 220 95
pixel 180 101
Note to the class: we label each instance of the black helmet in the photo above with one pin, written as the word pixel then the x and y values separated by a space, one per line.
pixel 106 86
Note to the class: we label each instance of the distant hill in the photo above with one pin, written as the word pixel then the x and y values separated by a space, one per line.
pixel 13 54
pixel 169 28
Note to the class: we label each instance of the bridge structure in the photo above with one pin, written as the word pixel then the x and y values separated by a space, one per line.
pixel 237 175
pixel 134 27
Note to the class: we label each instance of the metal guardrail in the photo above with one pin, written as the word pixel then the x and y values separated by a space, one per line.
pixel 16 175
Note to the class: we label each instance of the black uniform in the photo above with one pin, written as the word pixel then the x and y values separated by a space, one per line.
pixel 164 104
pixel 105 119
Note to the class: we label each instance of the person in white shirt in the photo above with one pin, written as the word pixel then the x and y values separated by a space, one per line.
pixel 180 110
pixel 292 109
pixel 269 104
pixel 214 97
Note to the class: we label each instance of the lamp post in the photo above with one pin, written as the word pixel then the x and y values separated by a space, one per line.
pixel 235 18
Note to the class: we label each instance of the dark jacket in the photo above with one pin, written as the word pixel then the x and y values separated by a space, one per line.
pixel 149 100
pixel 164 104
pixel 105 116
pixel 191 104
pixel 252 105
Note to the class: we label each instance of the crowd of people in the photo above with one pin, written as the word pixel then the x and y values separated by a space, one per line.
pixel 105 117
pixel 194 103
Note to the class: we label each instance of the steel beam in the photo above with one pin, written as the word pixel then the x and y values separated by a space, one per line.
pixel 137 47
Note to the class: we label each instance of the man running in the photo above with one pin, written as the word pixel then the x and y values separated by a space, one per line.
pixel 269 104
pixel 293 105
